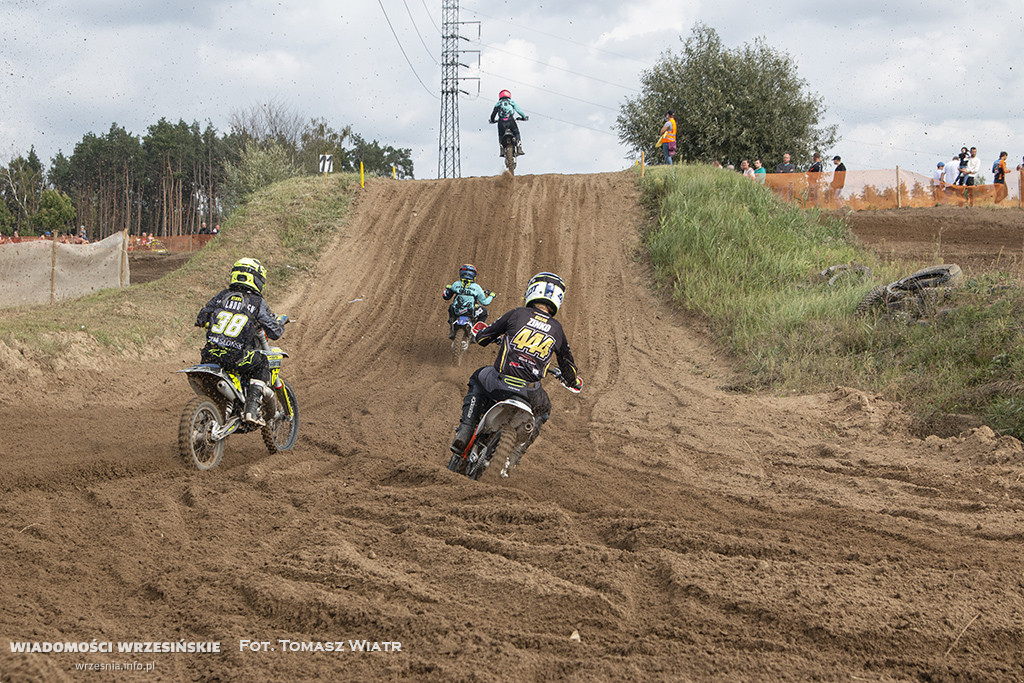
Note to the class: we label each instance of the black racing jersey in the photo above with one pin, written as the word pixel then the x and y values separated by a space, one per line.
pixel 530 337
pixel 233 317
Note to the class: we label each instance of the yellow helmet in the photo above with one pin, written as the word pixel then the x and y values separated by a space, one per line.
pixel 249 273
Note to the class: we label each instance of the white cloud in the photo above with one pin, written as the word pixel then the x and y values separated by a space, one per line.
pixel 904 82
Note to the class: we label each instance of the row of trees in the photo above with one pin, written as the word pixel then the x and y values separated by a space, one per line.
pixel 177 176
pixel 730 104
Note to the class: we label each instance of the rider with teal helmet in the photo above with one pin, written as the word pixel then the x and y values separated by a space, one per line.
pixel 467 297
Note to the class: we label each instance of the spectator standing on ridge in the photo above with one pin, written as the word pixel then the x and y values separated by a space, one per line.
pixel 784 187
pixel 760 173
pixel 813 178
pixel 962 165
pixel 973 167
pixel 938 179
pixel 838 178
pixel 668 137
pixel 952 170
pixel 1020 166
pixel 746 170
pixel 999 177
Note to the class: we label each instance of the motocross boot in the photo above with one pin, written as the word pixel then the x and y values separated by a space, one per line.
pixel 519 149
pixel 253 413
pixel 501 151
pixel 467 424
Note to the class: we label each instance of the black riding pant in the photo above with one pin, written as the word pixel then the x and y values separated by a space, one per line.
pixel 248 364
pixel 508 124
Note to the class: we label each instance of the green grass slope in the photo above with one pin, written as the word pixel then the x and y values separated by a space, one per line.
pixel 748 264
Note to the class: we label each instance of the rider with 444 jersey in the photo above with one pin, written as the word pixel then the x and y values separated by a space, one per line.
pixel 530 335
pixel 232 320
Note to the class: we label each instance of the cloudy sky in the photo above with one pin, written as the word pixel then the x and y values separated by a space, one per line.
pixel 906 82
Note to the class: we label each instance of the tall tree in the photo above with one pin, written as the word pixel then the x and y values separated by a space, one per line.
pixel 56 212
pixel 729 104
pixel 21 185
pixel 378 160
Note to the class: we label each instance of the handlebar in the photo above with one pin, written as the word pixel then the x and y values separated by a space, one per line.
pixel 557 374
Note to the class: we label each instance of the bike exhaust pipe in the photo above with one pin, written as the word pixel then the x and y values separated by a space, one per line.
pixel 226 389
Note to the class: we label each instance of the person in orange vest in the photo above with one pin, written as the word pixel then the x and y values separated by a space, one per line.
pixel 668 137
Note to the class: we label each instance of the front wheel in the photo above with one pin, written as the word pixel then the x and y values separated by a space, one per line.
pixel 282 432
pixel 456 463
pixel 195 444
pixel 459 345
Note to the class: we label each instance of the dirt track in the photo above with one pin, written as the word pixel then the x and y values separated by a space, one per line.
pixel 684 531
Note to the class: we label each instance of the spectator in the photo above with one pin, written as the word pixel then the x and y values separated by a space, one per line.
pixel 953 171
pixel 1020 166
pixel 668 137
pixel 813 178
pixel 938 180
pixel 962 165
pixel 746 170
pixel 973 167
pixel 204 230
pixel 838 178
pixel 786 166
pixel 216 228
pixel 999 177
pixel 760 173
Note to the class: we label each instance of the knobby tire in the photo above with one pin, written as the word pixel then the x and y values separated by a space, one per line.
pixel 197 419
pixel 281 435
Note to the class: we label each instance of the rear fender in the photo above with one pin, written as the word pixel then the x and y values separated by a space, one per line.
pixel 204 379
pixel 512 413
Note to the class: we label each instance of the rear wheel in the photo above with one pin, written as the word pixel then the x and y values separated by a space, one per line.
pixel 503 453
pixel 510 158
pixel 195 445
pixel 280 434
pixel 475 470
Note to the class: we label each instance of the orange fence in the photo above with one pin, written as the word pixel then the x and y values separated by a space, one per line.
pixel 178 243
pixel 890 189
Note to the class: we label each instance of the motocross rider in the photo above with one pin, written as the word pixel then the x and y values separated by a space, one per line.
pixel 468 298
pixel 531 335
pixel 232 320
pixel 506 108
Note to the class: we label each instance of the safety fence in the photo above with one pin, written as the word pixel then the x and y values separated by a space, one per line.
pixel 890 189
pixel 44 271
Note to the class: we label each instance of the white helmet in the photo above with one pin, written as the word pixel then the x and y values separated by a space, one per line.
pixel 545 288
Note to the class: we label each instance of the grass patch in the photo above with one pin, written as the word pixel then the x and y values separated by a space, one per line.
pixel 286 226
pixel 747 263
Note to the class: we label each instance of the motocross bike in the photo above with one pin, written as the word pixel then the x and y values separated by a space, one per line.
pixel 504 432
pixel 509 147
pixel 215 413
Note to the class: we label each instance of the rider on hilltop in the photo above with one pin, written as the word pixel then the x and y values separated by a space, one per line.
pixel 232 320
pixel 505 111
pixel 531 335
pixel 468 298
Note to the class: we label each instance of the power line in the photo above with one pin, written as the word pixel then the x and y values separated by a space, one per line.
pixel 577 125
pixel 557 37
pixel 430 16
pixel 403 50
pixel 547 90
pixel 552 66
pixel 418 35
